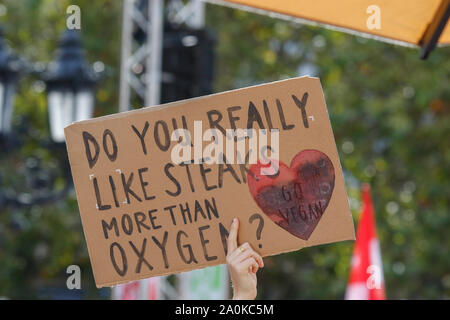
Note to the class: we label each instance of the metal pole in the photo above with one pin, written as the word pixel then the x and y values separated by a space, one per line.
pixel 197 19
pixel 127 28
pixel 154 58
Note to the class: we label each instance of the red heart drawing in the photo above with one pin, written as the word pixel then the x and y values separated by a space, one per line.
pixel 296 197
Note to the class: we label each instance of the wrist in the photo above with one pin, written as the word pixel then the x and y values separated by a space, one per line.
pixel 243 295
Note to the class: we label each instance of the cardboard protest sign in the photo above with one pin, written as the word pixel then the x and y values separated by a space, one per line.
pixel 158 187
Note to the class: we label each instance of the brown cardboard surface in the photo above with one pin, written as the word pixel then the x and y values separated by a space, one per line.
pixel 153 242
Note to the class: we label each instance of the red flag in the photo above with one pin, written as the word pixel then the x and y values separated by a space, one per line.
pixel 366 280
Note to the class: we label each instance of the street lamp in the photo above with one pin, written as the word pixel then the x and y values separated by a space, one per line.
pixel 10 66
pixel 70 83
pixel 70 86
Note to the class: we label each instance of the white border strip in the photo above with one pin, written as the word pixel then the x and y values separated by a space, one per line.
pixel 310 22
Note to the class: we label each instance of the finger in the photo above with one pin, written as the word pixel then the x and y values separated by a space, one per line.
pixel 232 237
pixel 258 259
pixel 249 264
pixel 241 252
pixel 249 252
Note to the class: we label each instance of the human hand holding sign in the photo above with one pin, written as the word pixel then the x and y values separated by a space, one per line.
pixel 243 263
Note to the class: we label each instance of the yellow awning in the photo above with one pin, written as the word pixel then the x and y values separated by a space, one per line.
pixel 413 22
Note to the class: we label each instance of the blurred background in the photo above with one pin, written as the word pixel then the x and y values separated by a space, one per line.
pixel 390 113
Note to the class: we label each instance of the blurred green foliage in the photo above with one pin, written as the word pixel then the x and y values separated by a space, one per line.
pixel 389 110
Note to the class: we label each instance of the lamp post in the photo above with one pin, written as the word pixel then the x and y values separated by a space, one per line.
pixel 70 86
pixel 10 68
